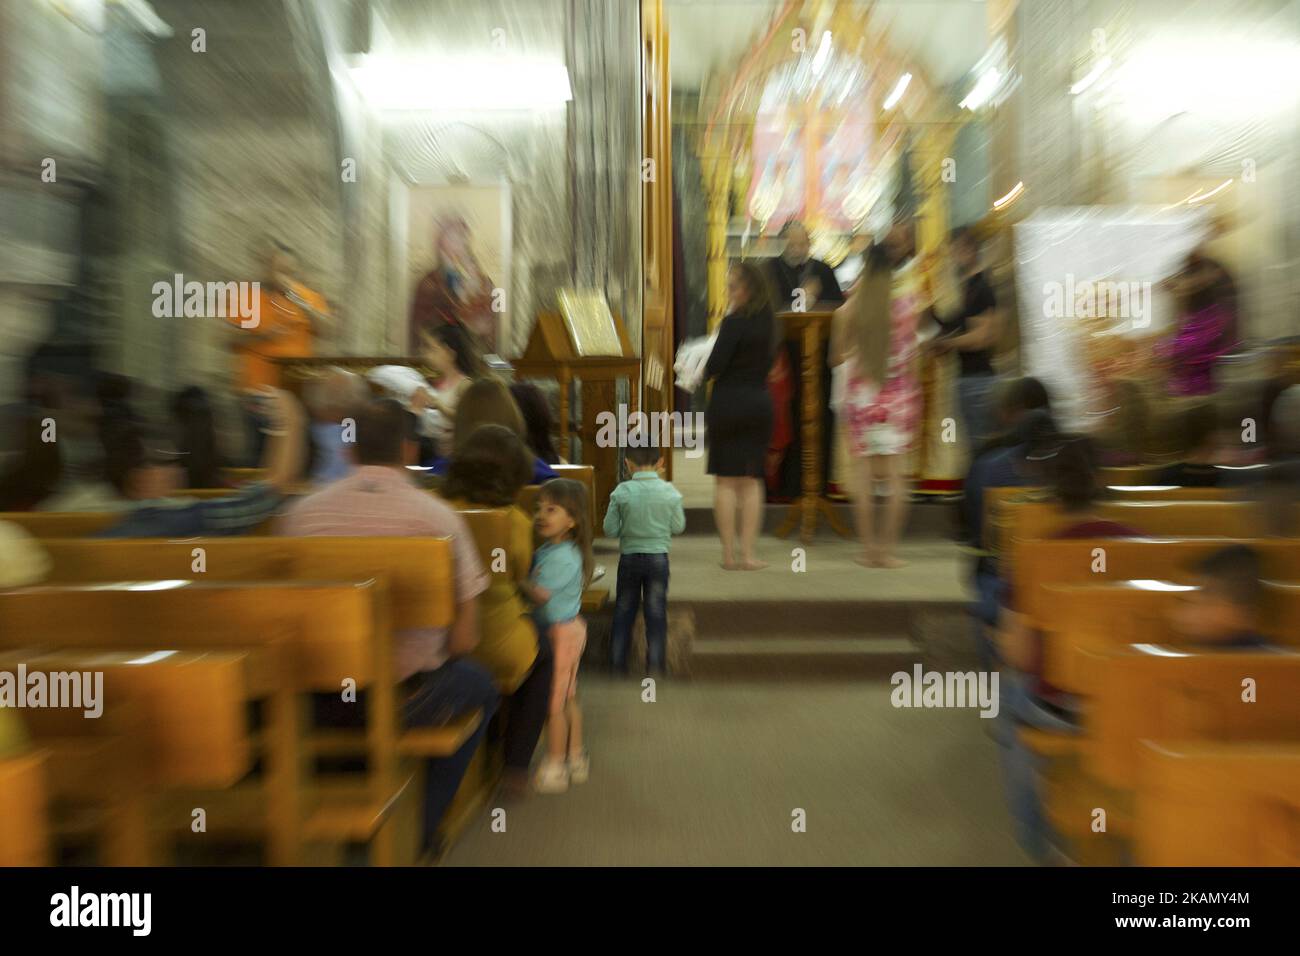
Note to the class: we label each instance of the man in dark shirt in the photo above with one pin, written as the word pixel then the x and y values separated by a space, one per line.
pixel 794 270
pixel 790 272
pixel 972 333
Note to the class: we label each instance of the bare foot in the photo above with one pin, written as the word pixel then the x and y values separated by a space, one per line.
pixel 729 565
pixel 753 565
pixel 866 560
pixel 889 561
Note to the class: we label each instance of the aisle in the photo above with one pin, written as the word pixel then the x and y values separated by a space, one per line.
pixel 710 773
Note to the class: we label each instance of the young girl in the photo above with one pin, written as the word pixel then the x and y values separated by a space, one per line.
pixel 561 569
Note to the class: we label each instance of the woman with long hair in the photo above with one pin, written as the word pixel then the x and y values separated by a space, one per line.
pixel 453 355
pixel 875 332
pixel 488 471
pixel 537 420
pixel 196 437
pixel 739 413
pixel 487 401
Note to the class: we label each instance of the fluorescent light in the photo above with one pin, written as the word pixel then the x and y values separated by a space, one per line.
pixel 822 54
pixel 892 100
pixel 1100 67
pixel 1146 584
pixel 984 89
pixel 1010 197
pixel 157 585
pixel 464 84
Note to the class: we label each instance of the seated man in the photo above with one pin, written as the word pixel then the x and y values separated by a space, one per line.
pixel 147 473
pixel 439 681
pixel 335 396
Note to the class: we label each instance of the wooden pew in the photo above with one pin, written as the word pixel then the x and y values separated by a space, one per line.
pixel 167 720
pixel 420 594
pixel 1215 804
pixel 996 500
pixel 82 524
pixel 1161 693
pixel 1020 521
pixel 327 631
pixel 61 524
pixel 24 800
pixel 1038 563
pixel 1088 622
pixel 1179 693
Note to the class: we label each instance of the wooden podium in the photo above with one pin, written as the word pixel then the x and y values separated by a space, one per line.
pixel 810 330
pixel 552 353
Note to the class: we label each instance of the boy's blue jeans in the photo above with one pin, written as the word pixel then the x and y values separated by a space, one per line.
pixel 642 578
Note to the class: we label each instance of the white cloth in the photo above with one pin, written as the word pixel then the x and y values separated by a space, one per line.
pixel 399 381
pixel 692 357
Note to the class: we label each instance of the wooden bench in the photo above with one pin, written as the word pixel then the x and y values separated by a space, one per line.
pixel 1159 693
pixel 1038 563
pixel 24 800
pixel 328 632
pixel 1087 622
pixel 61 524
pixel 167 720
pixel 1179 693
pixel 418 572
pixel 1020 521
pixel 1217 804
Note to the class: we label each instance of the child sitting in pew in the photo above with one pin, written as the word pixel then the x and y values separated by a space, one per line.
pixel 1224 611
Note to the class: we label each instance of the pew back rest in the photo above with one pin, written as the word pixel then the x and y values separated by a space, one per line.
pixel 1089 623
pixel 1038 563
pixel 490 528
pixel 61 524
pixel 1150 695
pixel 1020 521
pixel 330 628
pixel 194 719
pixel 24 797
pixel 1213 804
pixel 418 571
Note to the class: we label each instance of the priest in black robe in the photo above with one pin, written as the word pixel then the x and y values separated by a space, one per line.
pixel 792 270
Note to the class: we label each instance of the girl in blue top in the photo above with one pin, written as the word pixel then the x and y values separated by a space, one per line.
pixel 560 571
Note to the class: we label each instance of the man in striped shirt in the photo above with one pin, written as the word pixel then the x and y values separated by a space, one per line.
pixel 440 683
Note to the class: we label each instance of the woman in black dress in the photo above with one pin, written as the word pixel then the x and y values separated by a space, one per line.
pixel 739 414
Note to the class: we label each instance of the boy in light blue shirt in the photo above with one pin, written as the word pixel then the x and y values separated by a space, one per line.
pixel 644 513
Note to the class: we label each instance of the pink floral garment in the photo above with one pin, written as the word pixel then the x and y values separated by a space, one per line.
pixel 884 421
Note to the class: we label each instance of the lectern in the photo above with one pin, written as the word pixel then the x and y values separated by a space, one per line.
pixel 553 353
pixel 810 330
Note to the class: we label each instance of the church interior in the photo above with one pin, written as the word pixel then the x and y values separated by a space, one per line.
pixel 366 365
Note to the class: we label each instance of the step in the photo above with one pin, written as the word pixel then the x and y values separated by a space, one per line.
pixel 924 518
pixel 834 658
